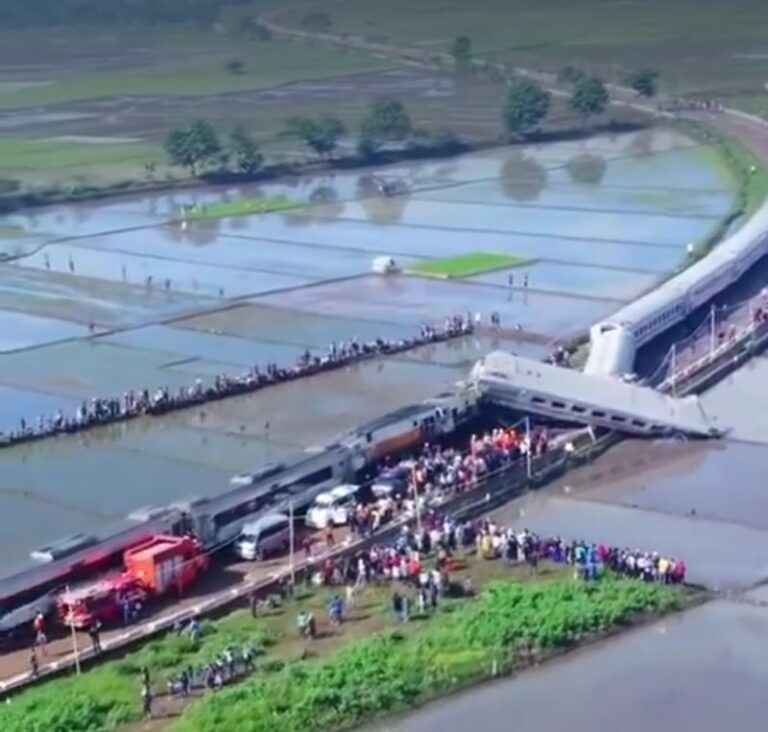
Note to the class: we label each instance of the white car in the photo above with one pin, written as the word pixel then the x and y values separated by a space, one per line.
pixel 332 507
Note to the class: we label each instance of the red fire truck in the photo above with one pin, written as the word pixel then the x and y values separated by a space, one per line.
pixel 156 567
pixel 102 600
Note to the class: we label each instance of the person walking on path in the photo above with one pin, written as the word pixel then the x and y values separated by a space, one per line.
pixel 94 632
pixel 146 700
pixel 41 639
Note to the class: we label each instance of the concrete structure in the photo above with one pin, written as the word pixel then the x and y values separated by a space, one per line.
pixel 567 395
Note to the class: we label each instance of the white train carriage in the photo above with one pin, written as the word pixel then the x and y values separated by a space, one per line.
pixel 614 342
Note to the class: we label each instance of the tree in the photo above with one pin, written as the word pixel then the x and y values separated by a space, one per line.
pixel 321 135
pixel 527 104
pixel 235 66
pixel 644 82
pixel 387 120
pixel 461 50
pixel 590 97
pixel 192 145
pixel 245 152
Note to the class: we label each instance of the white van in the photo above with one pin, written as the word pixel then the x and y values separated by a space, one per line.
pixel 266 535
pixel 332 507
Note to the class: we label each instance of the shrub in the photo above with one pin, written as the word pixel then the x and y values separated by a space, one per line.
pixel 391 672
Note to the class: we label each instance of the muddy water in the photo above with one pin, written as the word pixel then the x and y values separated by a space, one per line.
pixel 704 671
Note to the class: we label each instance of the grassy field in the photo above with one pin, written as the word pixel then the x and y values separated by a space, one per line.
pixel 11 232
pixel 66 163
pixel 240 207
pixel 698 45
pixel 265 65
pixel 106 696
pixel 467 265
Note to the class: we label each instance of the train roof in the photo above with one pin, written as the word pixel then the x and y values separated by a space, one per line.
pixel 291 472
pixel 753 231
pixel 31 574
pixel 412 410
pixel 407 412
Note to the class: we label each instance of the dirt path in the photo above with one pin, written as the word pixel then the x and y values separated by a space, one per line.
pixel 751 130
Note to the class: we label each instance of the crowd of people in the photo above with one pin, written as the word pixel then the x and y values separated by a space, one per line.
pixel 685 104
pixel 442 537
pixel 136 403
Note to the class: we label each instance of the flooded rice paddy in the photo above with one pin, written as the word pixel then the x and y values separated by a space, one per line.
pixel 702 670
pixel 103 297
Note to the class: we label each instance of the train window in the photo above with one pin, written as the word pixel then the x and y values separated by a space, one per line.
pixel 538 400
pixel 318 476
pixel 617 418
pixel 579 410
pixel 369 438
pixel 597 413
pixel 558 405
pixel 638 423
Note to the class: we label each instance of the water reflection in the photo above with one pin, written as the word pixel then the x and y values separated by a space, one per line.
pixel 198 233
pixel 641 144
pixel 383 201
pixel 587 169
pixel 522 178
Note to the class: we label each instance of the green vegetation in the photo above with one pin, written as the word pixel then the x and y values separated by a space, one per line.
pixel 645 82
pixel 600 37
pixel 526 106
pixel 589 97
pixel 508 626
pixel 264 65
pixel 742 167
pixel 356 670
pixel 749 171
pixel 320 135
pixel 244 152
pixel 241 207
pixel 23 153
pixel 106 696
pixel 12 232
pixel 386 121
pixel 193 145
pixel 461 50
pixel 467 265
pixel 115 12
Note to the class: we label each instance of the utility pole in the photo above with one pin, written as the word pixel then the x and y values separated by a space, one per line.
pixel 291 542
pixel 674 366
pixel 712 330
pixel 416 502
pixel 528 466
pixel 75 646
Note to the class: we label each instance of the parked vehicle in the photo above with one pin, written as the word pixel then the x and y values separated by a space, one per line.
pixel 333 507
pixel 102 600
pixel 165 563
pixel 267 535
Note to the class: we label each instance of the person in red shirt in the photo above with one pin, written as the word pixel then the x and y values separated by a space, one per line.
pixel 38 624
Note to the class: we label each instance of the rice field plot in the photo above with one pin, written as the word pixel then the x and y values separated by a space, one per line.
pixel 467 265
pixel 697 45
